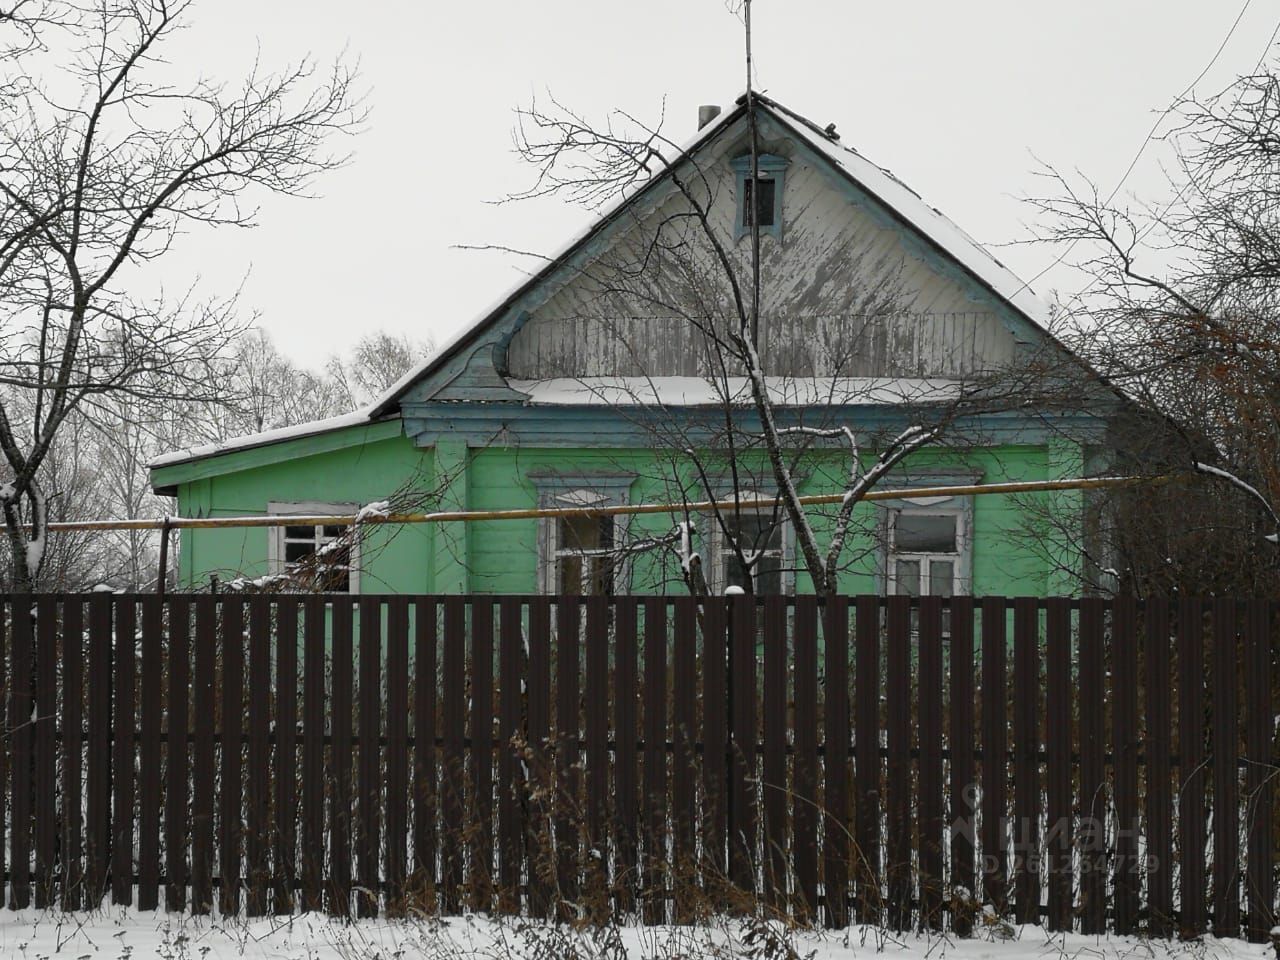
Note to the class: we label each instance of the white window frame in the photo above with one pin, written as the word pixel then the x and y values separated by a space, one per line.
pixel 580 490
pixel 721 552
pixel 310 508
pixel 959 508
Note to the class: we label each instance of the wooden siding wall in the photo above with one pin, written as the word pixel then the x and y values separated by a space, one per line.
pixel 843 294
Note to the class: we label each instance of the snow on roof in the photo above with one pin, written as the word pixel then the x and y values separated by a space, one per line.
pixel 278 435
pixel 699 391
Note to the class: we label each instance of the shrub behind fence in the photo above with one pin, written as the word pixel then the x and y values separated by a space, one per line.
pixel 1086 764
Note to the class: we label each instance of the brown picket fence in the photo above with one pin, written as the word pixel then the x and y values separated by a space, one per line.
pixel 1086 764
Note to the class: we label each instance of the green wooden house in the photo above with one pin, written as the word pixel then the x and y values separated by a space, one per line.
pixel 597 382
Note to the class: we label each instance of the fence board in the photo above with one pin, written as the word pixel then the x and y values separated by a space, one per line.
pixel 655 836
pixel 837 822
pixel 257 843
pixel 596 715
pixel 453 762
pixel 1159 793
pixel 1191 772
pixel 626 688
pixel 1026 763
pixel 684 759
pixel 340 714
pixel 1058 766
pixel 72 744
pixel 1124 749
pixel 509 729
pixel 1093 801
pixel 177 789
pixel 898 800
pixel 284 831
pixel 742 757
pixel 568 712
pixel 122 766
pixel 1259 788
pixel 930 769
pixel 715 866
pixel 963 785
pixel 994 766
pixel 368 792
pixel 6 704
pixel 537 841
pixel 204 696
pixel 1226 789
pixel 805 803
pixel 777 852
pixel 43 722
pixel 397 754
pixel 480 876
pixel 229 787
pixel 313 730
pixel 426 640
pixel 151 695
pixel 869 771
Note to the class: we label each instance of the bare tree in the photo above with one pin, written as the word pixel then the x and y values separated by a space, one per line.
pixel 1181 310
pixel 373 365
pixel 98 181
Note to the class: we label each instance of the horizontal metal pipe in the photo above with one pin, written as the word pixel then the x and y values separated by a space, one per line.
pixel 629 509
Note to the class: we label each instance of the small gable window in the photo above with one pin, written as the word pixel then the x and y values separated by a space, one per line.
pixel 759 198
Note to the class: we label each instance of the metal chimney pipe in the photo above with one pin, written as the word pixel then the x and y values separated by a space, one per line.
pixel 706 113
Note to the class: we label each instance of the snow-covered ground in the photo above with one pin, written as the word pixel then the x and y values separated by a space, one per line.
pixel 130 935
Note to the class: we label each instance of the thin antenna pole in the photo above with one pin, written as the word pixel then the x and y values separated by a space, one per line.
pixel 753 208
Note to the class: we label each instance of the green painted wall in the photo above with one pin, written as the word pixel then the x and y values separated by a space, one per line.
pixel 501 556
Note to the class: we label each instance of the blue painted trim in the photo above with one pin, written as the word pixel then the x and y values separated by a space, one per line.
pixel 602 427
pixel 770 167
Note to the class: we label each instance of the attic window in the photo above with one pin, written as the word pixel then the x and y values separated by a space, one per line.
pixel 759 199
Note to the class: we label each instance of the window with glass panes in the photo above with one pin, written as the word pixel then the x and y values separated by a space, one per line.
pixel 584 555
pixel 757 563
pixel 924 553
pixel 295 547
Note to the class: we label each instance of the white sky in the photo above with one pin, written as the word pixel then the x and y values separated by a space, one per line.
pixel 958 99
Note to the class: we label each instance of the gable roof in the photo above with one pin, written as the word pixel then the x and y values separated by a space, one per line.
pixel 899 199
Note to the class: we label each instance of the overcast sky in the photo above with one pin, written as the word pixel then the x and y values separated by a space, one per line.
pixel 958 99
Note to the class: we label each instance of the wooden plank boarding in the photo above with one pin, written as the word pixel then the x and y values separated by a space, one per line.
pixel 805 797
pixel 369 775
pixel 1093 801
pixel 338 900
pixel 229 786
pixel 1026 764
pixel 177 788
pixel 122 769
pixel 257 842
pixel 1125 745
pixel 43 722
pixel 994 765
pixel 1058 762
pixel 626 757
pixel 684 759
pixel 715 746
pixel 426 641
pixel 1159 790
pixel 836 801
pixel 397 754
pixel 568 711
pixel 509 729
pixel 742 756
pixel 596 710
pixel 777 851
pixel 480 878
pixel 870 769
pixel 284 831
pixel 453 761
pixel 1226 785
pixel 1191 772
pixel 202 782
pixel 898 868
pixel 72 741
pixel 655 759
pixel 538 837
pixel 1259 714
pixel 964 887
pixel 313 736
pixel 151 695
pixel 931 823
